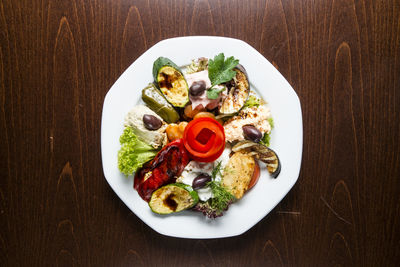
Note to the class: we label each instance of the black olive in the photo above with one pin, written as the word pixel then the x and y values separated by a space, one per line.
pixel 252 133
pixel 151 122
pixel 200 181
pixel 197 88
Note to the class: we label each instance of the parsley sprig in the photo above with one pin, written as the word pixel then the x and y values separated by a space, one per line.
pixel 220 71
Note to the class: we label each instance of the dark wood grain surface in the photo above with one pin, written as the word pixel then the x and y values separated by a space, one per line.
pixel 59 58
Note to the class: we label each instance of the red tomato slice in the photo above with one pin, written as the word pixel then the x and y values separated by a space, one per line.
pixel 256 175
pixel 204 139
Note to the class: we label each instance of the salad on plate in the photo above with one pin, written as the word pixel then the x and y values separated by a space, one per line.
pixel 199 137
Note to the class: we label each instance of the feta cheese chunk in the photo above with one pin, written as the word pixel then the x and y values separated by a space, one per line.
pixel 194 168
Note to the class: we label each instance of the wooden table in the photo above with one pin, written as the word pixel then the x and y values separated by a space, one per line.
pixel 59 58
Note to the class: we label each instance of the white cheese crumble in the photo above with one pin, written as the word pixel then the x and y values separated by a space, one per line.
pixel 194 168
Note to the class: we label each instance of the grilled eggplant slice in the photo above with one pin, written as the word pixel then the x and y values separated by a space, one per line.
pixel 171 81
pixel 173 198
pixel 238 93
pixel 261 152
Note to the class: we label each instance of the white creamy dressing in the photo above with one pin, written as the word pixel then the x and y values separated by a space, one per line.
pixel 194 168
pixel 202 101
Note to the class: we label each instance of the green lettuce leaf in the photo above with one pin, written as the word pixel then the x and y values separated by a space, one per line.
pixel 252 101
pixel 133 153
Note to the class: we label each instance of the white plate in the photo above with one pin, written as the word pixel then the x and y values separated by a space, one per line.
pixel 286 138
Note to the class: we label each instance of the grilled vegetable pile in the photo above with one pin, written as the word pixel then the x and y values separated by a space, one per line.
pixel 198 140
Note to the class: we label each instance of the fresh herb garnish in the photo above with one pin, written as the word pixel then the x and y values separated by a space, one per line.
pixel 217 170
pixel 221 198
pixel 220 71
pixel 213 93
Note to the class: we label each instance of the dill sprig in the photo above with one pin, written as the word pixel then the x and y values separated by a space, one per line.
pixel 221 198
pixel 217 170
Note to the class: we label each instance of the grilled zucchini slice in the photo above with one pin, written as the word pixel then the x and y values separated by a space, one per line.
pixel 171 82
pixel 173 198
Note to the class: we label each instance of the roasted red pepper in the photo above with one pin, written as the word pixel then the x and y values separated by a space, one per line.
pixel 163 169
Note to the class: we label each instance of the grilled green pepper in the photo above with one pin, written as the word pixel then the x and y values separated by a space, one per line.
pixel 171 82
pixel 156 102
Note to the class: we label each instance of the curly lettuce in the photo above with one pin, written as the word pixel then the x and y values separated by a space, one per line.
pixel 133 153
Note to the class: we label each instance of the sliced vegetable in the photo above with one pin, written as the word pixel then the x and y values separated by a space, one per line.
pixel 238 173
pixel 171 81
pixel 173 198
pixel 262 153
pixel 163 169
pixel 255 177
pixel 157 102
pixel 238 94
pixel 133 153
pixel 204 138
